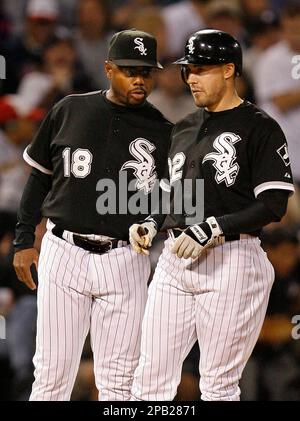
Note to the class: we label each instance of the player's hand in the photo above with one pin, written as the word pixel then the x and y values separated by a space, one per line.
pixel 141 236
pixel 186 247
pixel 23 259
pixel 197 238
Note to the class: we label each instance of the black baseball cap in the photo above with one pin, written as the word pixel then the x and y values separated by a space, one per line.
pixel 133 48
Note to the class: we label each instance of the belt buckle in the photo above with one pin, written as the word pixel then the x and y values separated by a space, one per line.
pixel 108 246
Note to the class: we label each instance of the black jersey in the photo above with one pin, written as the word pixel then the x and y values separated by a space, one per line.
pixel 85 139
pixel 239 153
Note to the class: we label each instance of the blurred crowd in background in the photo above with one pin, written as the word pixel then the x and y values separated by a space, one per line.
pixel 55 48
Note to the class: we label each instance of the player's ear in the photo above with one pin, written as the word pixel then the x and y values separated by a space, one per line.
pixel 108 69
pixel 229 70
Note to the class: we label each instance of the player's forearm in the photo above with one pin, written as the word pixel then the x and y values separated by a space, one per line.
pixel 287 101
pixel 251 219
pixel 270 207
pixel 29 215
pixel 158 220
pixel 159 209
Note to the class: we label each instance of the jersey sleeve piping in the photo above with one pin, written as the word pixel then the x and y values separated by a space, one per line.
pixel 280 185
pixel 35 164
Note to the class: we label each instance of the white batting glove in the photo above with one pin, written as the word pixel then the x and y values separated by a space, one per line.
pixel 141 236
pixel 197 238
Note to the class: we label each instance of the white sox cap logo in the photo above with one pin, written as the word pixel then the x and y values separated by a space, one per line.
pixel 223 161
pixel 191 46
pixel 144 167
pixel 140 46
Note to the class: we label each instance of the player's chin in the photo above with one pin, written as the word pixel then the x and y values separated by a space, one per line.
pixel 136 98
pixel 200 101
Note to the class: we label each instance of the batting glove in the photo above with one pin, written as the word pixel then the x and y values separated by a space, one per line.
pixel 197 238
pixel 141 236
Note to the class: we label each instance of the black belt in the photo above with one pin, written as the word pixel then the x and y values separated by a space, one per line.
pixel 232 237
pixel 94 246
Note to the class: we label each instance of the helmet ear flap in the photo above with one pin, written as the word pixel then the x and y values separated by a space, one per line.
pixel 184 74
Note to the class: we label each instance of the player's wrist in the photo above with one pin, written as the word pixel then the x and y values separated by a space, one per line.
pixel 215 227
pixel 152 221
pixel 201 233
pixel 205 233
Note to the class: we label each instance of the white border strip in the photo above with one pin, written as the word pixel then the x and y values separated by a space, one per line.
pixel 280 185
pixel 35 164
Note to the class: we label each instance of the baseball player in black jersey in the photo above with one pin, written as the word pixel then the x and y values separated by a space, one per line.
pixel 89 278
pixel 213 279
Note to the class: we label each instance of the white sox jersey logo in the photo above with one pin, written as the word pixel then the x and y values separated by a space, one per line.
pixel 223 160
pixel 140 46
pixel 144 167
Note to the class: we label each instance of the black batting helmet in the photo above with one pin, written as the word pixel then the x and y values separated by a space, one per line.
pixel 210 46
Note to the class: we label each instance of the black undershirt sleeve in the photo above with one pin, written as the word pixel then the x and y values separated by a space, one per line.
pixel 29 215
pixel 158 219
pixel 270 206
pixel 158 214
pixel 276 201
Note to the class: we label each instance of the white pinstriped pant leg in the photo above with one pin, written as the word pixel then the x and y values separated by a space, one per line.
pixel 168 332
pixel 229 316
pixel 63 318
pixel 223 297
pixel 116 319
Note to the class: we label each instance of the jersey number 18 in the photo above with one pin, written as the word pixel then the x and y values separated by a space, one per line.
pixel 79 164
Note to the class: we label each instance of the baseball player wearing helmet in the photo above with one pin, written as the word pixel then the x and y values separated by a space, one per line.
pixel 213 279
pixel 89 278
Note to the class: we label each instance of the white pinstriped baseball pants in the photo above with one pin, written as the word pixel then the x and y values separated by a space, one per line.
pixel 80 291
pixel 221 299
